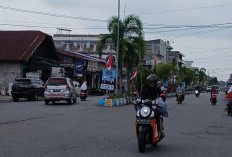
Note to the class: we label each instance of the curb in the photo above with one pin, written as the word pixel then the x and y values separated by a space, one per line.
pixel 123 101
pixel 115 102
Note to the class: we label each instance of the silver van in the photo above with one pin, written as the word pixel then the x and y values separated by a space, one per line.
pixel 60 88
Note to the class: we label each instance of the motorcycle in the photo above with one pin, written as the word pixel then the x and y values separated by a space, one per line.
pixel 180 97
pixel 148 123
pixel 83 95
pixel 197 93
pixel 213 99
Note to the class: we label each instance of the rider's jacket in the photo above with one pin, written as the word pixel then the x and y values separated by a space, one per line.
pixel 151 93
pixel 180 89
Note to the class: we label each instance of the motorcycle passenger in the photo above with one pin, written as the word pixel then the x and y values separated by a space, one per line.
pixel 84 88
pixel 163 89
pixel 180 88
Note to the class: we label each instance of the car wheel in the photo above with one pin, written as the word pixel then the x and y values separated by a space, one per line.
pixel 70 101
pixel 46 102
pixel 36 97
pixel 15 99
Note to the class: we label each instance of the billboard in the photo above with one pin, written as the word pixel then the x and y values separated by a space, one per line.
pixel 108 77
pixel 79 66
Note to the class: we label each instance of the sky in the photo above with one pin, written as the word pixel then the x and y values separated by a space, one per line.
pixel 201 30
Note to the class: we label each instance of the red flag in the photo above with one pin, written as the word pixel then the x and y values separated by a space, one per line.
pixel 134 74
pixel 108 64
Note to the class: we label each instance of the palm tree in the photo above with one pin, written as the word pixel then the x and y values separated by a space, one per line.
pixel 200 75
pixel 131 43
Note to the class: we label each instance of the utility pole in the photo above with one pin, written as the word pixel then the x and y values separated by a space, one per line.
pixel 116 90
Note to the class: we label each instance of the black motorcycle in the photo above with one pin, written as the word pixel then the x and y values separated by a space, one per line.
pixel 148 124
pixel 83 94
pixel 180 97
pixel 197 93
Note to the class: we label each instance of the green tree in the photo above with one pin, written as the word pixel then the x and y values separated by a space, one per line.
pixel 185 75
pixel 140 79
pixel 213 81
pixel 200 75
pixel 131 43
pixel 164 71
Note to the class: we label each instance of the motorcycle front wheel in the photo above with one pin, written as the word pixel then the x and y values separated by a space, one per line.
pixel 142 142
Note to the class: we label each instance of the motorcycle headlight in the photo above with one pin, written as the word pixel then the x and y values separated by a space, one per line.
pixel 196 92
pixel 145 111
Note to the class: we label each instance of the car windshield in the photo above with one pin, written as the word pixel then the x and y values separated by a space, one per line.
pixel 56 81
pixel 22 82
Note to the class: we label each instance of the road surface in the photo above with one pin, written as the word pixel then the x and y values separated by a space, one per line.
pixel 193 129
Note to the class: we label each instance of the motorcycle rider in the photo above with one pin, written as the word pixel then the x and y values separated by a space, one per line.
pixel 180 88
pixel 197 88
pixel 213 91
pixel 152 92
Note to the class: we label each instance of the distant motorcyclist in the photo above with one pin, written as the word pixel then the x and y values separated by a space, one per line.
pixel 181 89
pixel 197 88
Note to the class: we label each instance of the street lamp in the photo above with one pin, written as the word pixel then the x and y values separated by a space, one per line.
pixel 116 89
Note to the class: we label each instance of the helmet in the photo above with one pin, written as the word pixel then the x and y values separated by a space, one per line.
pixel 159 82
pixel 152 78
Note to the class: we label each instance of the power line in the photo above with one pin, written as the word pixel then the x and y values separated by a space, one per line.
pixel 195 33
pixel 53 14
pixel 34 26
pixel 96 19
pixel 185 29
pixel 210 50
pixel 181 10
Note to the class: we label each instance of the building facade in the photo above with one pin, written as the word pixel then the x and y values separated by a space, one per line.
pixel 156 52
pixel 25 52
pixel 86 44
pixel 188 64
pixel 176 58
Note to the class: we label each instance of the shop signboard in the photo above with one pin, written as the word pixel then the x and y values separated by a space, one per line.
pixel 79 67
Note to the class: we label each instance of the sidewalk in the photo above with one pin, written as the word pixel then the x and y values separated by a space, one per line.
pixel 4 99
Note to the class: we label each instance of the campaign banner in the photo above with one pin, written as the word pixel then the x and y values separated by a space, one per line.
pixel 108 77
pixel 79 66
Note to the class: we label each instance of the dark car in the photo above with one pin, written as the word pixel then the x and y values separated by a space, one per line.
pixel 30 88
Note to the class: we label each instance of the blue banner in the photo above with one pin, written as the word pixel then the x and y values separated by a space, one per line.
pixel 108 77
pixel 79 67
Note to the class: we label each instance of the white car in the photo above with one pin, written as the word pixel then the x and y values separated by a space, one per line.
pixel 208 89
pixel 60 88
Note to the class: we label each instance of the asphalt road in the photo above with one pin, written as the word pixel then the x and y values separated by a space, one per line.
pixel 193 129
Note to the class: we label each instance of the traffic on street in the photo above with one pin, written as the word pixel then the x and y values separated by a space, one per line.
pixel 193 128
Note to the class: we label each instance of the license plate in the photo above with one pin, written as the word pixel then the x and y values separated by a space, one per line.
pixel 56 90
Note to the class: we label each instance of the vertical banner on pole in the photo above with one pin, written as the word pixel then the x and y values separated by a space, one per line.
pixel 108 77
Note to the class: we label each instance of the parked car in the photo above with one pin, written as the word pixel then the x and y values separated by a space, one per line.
pixel 208 88
pixel 77 87
pixel 60 88
pixel 30 88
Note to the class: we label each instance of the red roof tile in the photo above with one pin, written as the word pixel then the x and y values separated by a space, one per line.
pixel 19 45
